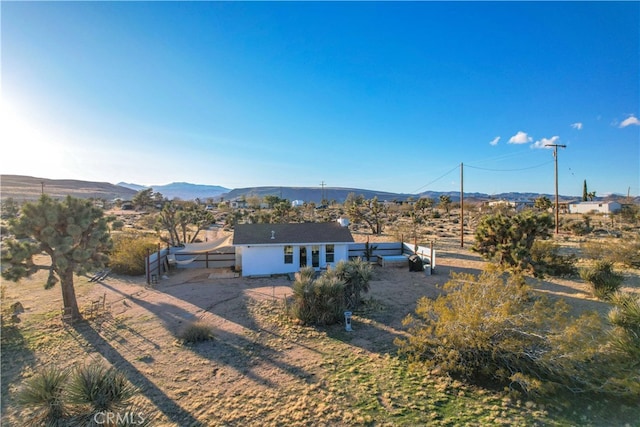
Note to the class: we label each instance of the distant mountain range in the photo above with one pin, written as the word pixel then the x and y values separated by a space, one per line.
pixel 181 190
pixel 29 188
pixel 21 188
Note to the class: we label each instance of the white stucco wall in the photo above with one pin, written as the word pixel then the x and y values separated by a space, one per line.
pixel 258 260
pixel 600 207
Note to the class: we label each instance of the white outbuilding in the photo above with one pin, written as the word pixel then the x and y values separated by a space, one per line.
pixel 597 207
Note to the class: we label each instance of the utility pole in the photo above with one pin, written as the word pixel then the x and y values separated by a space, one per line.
pixel 322 184
pixel 461 205
pixel 555 156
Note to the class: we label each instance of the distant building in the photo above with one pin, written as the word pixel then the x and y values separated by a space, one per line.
pixel 297 203
pixel 597 207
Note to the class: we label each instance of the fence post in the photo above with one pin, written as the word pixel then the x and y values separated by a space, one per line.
pixel 158 262
pixel 148 262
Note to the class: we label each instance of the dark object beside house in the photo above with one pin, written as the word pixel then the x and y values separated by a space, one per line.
pixel 415 263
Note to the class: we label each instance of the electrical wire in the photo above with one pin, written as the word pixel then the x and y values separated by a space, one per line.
pixel 436 180
pixel 509 170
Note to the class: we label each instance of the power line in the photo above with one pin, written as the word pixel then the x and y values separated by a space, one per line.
pixel 437 179
pixel 510 170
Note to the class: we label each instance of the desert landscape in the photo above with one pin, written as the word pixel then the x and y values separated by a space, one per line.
pixel 261 367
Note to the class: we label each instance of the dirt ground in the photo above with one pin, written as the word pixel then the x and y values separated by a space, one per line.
pixel 249 359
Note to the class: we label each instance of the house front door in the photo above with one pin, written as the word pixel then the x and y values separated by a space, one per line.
pixel 303 256
pixel 315 256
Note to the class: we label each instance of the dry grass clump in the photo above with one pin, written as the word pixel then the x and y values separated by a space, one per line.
pixel 196 332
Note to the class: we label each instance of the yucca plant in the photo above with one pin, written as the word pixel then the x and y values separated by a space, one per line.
pixel 318 301
pixel 603 279
pixel 625 317
pixel 100 388
pixel 44 392
pixel 356 275
pixel 196 332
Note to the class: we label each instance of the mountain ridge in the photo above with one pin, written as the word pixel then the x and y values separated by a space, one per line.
pixel 22 187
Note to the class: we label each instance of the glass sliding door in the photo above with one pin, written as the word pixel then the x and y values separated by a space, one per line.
pixel 315 256
pixel 303 256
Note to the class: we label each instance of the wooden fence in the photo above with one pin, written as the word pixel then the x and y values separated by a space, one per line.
pixel 161 261
pixel 164 259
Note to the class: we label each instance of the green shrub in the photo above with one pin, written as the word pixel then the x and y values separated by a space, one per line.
pixel 73 397
pixel 507 240
pixel 317 301
pixel 603 279
pixel 44 392
pixel 625 317
pixel 117 225
pixel 494 329
pixel 99 388
pixel 547 260
pixel 356 275
pixel 196 332
pixel 129 252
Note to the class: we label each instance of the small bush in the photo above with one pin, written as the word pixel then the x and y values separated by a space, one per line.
pixel 603 279
pixel 44 392
pixel 100 388
pixel 196 332
pixel 74 397
pixel 129 252
pixel 317 301
pixel 547 260
pixel 625 317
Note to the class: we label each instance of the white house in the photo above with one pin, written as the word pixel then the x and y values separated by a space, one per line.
pixel 598 207
pixel 297 203
pixel 265 249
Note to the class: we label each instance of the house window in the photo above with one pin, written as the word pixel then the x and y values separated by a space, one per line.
pixel 288 254
pixel 330 253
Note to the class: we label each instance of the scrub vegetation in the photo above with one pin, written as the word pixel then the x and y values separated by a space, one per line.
pixel 522 343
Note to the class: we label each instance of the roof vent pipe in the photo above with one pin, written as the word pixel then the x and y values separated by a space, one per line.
pixel 273 234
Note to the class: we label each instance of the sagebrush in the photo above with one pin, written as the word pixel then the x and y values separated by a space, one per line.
pixel 493 329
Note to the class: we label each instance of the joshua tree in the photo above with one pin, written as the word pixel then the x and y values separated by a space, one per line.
pixel 73 233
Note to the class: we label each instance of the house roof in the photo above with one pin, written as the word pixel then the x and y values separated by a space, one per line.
pixel 260 234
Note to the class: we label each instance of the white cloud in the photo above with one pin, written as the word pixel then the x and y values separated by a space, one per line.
pixel 494 141
pixel 577 125
pixel 520 138
pixel 544 141
pixel 631 120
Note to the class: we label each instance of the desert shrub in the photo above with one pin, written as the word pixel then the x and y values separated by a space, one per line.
pixel 625 317
pixel 99 388
pixel 547 260
pixel 356 275
pixel 129 252
pixel 621 251
pixel 507 240
pixel 196 332
pixel 44 392
pixel 576 227
pixel 317 301
pixel 603 279
pixel 492 329
pixel 74 396
pixel 117 224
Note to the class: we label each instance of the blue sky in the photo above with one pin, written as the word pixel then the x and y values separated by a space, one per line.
pixel 375 95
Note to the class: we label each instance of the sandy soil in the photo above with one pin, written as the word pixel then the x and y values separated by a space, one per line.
pixel 249 360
